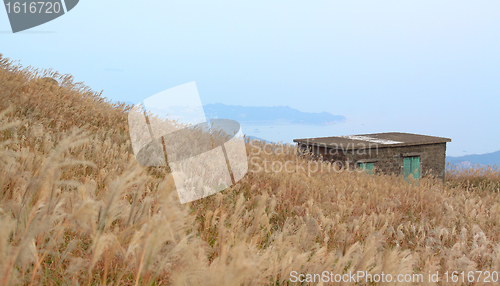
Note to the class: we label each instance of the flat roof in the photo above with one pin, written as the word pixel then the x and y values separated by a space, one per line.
pixel 376 140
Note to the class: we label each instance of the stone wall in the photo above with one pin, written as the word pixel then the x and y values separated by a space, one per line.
pixel 387 159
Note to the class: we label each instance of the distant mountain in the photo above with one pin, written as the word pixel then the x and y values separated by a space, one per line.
pixel 468 161
pixel 257 138
pixel 269 115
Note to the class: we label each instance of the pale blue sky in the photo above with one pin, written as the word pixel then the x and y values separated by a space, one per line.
pixel 429 67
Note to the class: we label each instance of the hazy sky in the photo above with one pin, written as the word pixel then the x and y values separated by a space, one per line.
pixel 429 67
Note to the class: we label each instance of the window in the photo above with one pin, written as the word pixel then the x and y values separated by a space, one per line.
pixel 368 166
pixel 411 166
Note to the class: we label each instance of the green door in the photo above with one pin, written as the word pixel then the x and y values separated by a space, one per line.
pixel 367 166
pixel 411 166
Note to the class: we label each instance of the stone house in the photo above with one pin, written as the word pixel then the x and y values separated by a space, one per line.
pixel 390 153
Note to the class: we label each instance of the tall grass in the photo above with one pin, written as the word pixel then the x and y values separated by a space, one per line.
pixel 476 179
pixel 76 208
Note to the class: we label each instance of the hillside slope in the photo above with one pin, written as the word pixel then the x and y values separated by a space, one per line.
pixel 75 207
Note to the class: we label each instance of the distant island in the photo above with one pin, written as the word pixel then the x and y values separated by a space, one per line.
pixel 270 115
pixel 266 115
pixel 468 161
pixel 258 139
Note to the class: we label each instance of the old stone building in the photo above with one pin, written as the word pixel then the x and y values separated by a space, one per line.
pixel 398 153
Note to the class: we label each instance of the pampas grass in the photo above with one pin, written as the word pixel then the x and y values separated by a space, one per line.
pixel 76 208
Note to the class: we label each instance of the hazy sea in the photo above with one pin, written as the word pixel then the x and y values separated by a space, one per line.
pixel 287 132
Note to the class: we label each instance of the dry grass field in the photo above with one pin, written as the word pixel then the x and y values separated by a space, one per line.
pixel 76 208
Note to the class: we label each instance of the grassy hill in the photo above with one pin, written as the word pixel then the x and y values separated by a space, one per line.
pixel 76 208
